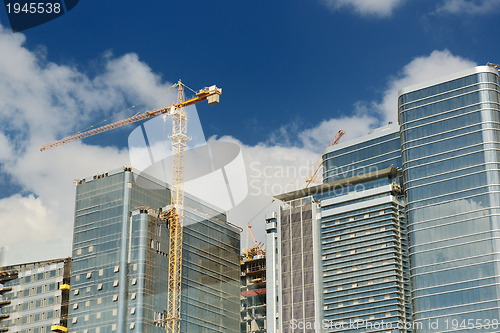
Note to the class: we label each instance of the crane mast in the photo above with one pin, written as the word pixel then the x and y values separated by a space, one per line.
pixel 179 138
pixel 249 228
pixel 175 215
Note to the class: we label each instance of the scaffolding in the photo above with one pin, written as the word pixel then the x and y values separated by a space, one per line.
pixel 253 295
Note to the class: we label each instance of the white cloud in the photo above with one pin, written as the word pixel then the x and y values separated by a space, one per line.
pixel 271 170
pixel 420 69
pixel 378 8
pixel 50 101
pixel 315 139
pixel 6 149
pixel 367 115
pixel 360 121
pixel 41 101
pixel 468 7
pixel 32 226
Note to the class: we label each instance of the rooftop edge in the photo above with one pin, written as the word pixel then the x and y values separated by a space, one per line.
pixel 449 77
pixel 390 171
pixel 373 134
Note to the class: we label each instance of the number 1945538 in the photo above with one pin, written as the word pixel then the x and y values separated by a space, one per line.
pixel 34 7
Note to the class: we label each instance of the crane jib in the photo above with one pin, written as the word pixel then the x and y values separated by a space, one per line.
pixel 211 94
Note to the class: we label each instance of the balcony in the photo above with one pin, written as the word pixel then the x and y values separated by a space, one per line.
pixel 5 289
pixel 8 275
pixel 4 303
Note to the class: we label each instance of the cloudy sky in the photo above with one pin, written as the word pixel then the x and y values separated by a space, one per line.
pixel 293 73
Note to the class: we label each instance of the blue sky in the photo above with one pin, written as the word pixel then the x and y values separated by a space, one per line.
pixel 292 72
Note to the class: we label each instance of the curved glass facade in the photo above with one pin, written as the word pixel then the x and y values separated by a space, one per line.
pixel 376 151
pixel 450 142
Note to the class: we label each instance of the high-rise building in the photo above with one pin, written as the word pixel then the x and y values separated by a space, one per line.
pixel 120 259
pixel 34 288
pixel 450 144
pixel 341 248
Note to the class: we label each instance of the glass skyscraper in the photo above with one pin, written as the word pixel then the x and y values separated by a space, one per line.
pixel 120 260
pixel 450 147
pixel 342 246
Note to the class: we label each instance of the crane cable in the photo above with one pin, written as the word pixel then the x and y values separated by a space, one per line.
pixel 160 95
pixel 188 88
pixel 260 211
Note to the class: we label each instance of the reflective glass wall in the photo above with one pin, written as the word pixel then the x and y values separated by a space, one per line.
pixel 450 144
pixel 120 260
pixel 378 150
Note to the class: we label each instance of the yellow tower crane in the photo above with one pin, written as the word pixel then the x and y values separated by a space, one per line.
pixel 176 213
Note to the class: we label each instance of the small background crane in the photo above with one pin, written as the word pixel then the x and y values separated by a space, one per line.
pixel 496 66
pixel 255 250
pixel 318 166
pixel 175 215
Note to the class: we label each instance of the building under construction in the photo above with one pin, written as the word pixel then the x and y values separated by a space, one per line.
pixel 253 287
pixel 120 259
pixel 34 289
